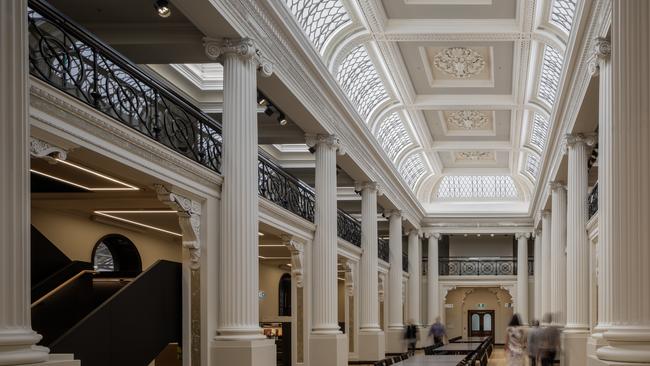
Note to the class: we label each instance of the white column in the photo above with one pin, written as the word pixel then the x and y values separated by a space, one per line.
pixel 414 277
pixel 522 275
pixel 558 258
pixel 372 345
pixel 537 260
pixel 239 335
pixel 433 291
pixel 395 329
pixel 627 213
pixel 17 339
pixel 327 343
pixel 546 263
pixel 577 320
pixel 602 67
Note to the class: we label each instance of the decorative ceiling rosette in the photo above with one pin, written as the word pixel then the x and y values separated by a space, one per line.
pixel 459 62
pixel 468 120
pixel 474 155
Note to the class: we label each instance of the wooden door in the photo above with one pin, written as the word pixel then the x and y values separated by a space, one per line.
pixel 480 323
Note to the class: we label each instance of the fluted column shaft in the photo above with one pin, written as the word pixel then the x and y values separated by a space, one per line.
pixel 414 277
pixel 558 258
pixel 546 262
pixel 238 259
pixel 537 305
pixel 522 275
pixel 433 310
pixel 395 305
pixel 627 193
pixel 369 299
pixel 17 339
pixel 577 240
pixel 324 249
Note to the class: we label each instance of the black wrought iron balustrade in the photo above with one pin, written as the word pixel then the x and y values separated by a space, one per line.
pixel 405 262
pixel 592 201
pixel 348 228
pixel 383 250
pixel 69 58
pixel 284 190
pixel 481 266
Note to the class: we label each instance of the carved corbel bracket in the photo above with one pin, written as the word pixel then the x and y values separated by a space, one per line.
pixel 189 219
pixel 349 277
pixel 43 149
pixel 381 288
pixel 297 250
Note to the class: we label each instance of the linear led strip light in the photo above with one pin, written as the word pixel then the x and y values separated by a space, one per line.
pixel 125 186
pixel 111 215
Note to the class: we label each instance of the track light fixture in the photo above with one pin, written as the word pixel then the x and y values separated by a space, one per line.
pixel 282 119
pixel 162 8
pixel 262 101
pixel 268 111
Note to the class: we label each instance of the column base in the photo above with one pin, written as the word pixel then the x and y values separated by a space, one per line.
pixel 328 350
pixel 594 342
pixel 626 347
pixel 372 346
pixel 257 352
pixel 575 343
pixel 59 359
pixel 18 346
pixel 395 342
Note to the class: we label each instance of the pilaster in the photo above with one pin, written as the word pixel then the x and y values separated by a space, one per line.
pixel 522 275
pixel 558 257
pixel 414 277
pixel 537 306
pixel 395 329
pixel 546 264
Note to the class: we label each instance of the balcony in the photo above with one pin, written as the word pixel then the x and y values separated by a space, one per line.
pixel 592 201
pixel 69 58
pixel 481 266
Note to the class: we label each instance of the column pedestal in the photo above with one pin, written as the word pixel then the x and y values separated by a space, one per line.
pixel 257 352
pixel 327 350
pixel 395 341
pixel 372 346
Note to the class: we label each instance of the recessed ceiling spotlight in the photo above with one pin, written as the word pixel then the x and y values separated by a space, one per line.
pixel 465 235
pixel 260 234
pixel 282 119
pixel 162 8
pixel 478 235
pixel 492 235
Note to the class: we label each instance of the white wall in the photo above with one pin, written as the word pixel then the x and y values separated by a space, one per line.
pixel 76 236
pixel 270 273
pixel 484 246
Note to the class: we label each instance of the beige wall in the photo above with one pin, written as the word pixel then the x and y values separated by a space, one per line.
pixel 77 235
pixel 484 246
pixel 464 299
pixel 270 274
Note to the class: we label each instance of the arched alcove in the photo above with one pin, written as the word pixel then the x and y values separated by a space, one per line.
pixel 284 295
pixel 115 253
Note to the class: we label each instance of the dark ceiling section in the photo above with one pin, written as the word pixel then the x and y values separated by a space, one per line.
pixel 42 184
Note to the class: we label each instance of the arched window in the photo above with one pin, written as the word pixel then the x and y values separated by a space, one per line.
pixel 284 295
pixel 117 254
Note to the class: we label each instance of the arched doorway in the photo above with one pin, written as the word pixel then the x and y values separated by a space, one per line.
pixel 116 254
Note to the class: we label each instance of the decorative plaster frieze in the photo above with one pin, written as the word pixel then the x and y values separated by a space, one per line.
pixel 474 156
pixel 459 62
pixel 468 120
pixel 245 48
pixel 189 219
pixel 297 250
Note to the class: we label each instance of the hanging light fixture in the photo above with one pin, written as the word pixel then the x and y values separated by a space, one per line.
pixel 162 8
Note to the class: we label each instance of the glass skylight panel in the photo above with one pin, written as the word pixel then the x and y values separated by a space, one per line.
pixel 562 13
pixel 360 81
pixel 319 19
pixel 477 186
pixel 540 131
pixel 532 165
pixel 550 75
pixel 392 136
pixel 412 169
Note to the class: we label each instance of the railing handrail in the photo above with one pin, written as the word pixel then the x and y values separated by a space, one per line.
pixel 262 155
pixel 481 257
pixel 77 30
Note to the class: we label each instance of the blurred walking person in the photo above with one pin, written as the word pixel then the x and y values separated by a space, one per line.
pixel 534 342
pixel 515 342
pixel 550 344
pixel 438 332
pixel 411 334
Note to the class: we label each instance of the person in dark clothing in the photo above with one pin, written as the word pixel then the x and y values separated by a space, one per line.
pixel 533 344
pixel 411 334
pixel 550 344
pixel 437 331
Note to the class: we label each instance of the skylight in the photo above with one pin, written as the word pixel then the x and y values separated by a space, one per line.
pixel 532 165
pixel 319 19
pixel 477 186
pixel 550 75
pixel 539 132
pixel 360 81
pixel 392 136
pixel 412 169
pixel 562 13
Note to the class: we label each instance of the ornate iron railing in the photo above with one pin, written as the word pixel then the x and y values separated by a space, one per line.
pixel 405 262
pixel 383 251
pixel 284 190
pixel 592 201
pixel 348 228
pixel 480 266
pixel 69 58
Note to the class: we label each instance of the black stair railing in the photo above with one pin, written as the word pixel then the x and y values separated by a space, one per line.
pixel 481 266
pixel 69 58
pixel 592 201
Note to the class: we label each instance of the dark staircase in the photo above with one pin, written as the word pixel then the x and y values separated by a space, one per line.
pixel 103 319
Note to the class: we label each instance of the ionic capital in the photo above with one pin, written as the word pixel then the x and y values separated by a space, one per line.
pixel 431 235
pixel 324 140
pixel 602 51
pixel 522 235
pixel 545 213
pixel 556 185
pixel 189 219
pixel 216 48
pixel 415 232
pixel 369 186
pixel 393 213
pixel 573 139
